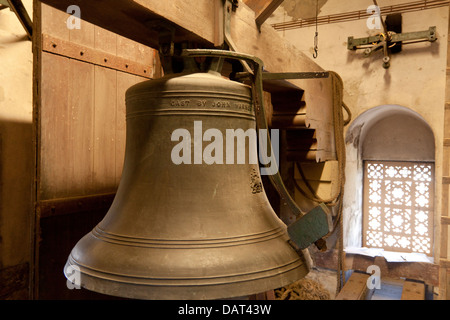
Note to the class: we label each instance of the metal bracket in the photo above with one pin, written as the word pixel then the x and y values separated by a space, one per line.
pixel 229 7
pixel 166 42
pixel 383 41
pixel 285 75
pixel 311 227
pixel 166 36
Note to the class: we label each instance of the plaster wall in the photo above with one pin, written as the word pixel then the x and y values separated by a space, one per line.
pixel 16 154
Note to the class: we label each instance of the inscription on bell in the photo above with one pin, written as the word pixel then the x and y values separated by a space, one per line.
pixel 217 104
pixel 201 103
pixel 180 103
pixel 243 106
pixel 221 104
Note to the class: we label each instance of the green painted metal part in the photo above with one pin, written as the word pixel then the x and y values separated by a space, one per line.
pixel 295 75
pixel 310 227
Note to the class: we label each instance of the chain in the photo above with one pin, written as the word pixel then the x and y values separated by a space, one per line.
pixel 316 36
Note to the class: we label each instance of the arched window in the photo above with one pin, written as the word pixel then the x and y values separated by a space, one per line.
pixel 397 153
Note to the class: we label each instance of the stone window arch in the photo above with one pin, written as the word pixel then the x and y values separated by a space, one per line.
pixel 390 170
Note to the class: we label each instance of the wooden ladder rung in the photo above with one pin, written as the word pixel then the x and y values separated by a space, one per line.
pixel 413 290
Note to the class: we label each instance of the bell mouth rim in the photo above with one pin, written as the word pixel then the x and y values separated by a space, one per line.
pixel 183 280
pixel 199 287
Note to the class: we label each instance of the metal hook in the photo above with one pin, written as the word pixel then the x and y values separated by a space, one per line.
pixel 316 36
pixel 316 47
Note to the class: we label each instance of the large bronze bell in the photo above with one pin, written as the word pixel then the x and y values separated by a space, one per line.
pixel 180 230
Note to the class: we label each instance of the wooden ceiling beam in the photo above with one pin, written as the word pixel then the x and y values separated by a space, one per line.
pixel 138 20
pixel 263 8
pixel 196 22
pixel 193 21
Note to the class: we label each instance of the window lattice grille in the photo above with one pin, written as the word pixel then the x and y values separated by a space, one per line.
pixel 398 206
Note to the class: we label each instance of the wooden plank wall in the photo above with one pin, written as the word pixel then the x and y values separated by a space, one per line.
pixel 79 116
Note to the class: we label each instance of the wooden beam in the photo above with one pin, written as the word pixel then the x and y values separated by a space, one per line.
pixel 445 220
pixel 94 56
pixel 263 8
pixel 142 19
pixel 22 14
pixel 139 20
pixel 446 142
